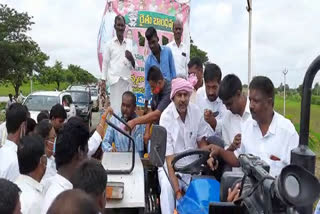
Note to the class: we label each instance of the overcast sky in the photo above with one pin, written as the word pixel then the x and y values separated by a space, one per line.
pixel 286 34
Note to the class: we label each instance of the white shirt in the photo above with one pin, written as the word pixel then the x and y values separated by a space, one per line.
pixel 51 169
pixel 3 133
pixel 280 139
pixel 31 194
pixel 182 136
pixel 52 188
pixel 115 64
pixel 181 58
pixel 204 103
pixel 9 167
pixel 94 143
pixel 231 124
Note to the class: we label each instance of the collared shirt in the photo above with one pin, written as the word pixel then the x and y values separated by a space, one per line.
pixel 115 65
pixel 279 140
pixel 231 124
pixel 122 142
pixel 162 100
pixel 166 65
pixel 204 103
pixel 51 169
pixel 3 133
pixel 31 194
pixel 181 58
pixel 9 167
pixel 182 136
pixel 52 188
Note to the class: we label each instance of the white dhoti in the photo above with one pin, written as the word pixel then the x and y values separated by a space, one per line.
pixel 167 199
pixel 116 91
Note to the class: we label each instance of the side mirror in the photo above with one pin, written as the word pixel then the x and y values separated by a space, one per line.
pixel 158 145
pixel 67 108
pixel 91 102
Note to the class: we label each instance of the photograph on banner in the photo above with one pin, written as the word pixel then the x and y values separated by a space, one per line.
pixel 139 15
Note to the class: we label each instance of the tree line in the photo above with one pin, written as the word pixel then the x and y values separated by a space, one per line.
pixel 22 59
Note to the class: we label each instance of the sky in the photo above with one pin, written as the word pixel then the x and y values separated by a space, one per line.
pixel 285 34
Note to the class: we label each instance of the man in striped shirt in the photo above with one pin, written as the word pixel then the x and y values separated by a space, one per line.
pixel 121 142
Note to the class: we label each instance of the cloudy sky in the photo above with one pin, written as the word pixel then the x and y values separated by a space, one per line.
pixel 286 34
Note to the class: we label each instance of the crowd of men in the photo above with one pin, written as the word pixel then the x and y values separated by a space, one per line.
pixel 47 171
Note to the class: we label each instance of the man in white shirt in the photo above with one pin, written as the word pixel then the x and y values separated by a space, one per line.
pixel 186 129
pixel 57 116
pixel 32 164
pixel 179 50
pixel 195 68
pixel 92 178
pixel 117 64
pixel 208 100
pixel 9 200
pixel 268 135
pixel 71 150
pixel 16 118
pixel 230 92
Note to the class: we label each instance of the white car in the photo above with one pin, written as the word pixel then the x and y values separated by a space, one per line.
pixel 44 100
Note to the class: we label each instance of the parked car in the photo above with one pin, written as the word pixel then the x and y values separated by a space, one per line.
pixel 83 104
pixel 44 100
pixel 92 89
pixel 94 98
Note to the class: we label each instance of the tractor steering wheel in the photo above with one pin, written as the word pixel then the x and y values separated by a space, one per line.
pixel 195 167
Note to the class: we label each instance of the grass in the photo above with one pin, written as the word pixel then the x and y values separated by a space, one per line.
pixel 293 109
pixel 7 89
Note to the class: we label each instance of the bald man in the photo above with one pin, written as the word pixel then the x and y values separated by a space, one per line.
pixel 73 202
pixel 179 50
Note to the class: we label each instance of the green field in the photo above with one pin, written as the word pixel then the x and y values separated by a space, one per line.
pixel 7 89
pixel 293 113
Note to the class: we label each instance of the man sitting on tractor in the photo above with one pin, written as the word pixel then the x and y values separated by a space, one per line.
pixel 186 129
pixel 267 134
pixel 121 142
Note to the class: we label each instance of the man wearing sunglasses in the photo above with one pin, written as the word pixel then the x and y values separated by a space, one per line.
pixel 32 164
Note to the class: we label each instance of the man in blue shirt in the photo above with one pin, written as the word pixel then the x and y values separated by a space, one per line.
pixel 121 142
pixel 160 56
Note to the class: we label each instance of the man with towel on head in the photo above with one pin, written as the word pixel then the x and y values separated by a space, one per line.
pixel 186 129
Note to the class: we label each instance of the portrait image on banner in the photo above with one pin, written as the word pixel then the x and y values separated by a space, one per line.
pixel 139 15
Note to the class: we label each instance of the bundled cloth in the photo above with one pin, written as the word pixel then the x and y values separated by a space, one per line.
pixel 180 84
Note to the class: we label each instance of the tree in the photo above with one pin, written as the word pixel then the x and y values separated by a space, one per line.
pixel 316 89
pixel 19 54
pixel 196 52
pixel 81 76
pixel 56 74
pixel 300 90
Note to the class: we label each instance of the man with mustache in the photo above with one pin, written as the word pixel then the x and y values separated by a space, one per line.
pixel 161 57
pixel 186 129
pixel 117 64
pixel 268 134
pixel 121 142
pixel 179 50
pixel 207 98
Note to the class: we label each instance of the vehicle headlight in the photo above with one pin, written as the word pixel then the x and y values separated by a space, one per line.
pixel 85 110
